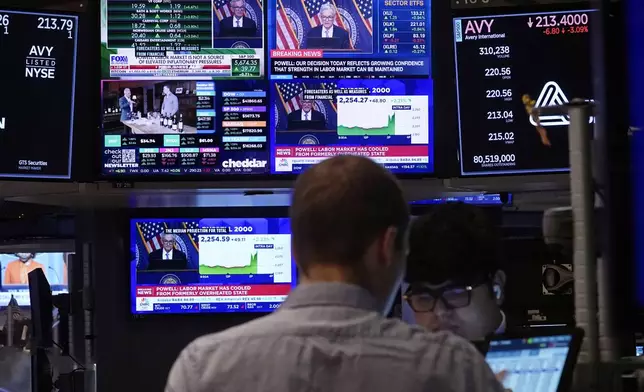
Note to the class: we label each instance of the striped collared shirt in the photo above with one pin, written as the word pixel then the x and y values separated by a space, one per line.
pixel 329 337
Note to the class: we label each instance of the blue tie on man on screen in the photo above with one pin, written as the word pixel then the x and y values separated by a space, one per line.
pixel 168 257
pixel 328 35
pixel 238 25
pixel 306 117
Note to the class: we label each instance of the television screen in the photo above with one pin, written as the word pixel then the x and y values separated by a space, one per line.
pixel 14 268
pixel 37 109
pixel 184 127
pixel 387 120
pixel 182 39
pixel 508 64
pixel 210 265
pixel 349 39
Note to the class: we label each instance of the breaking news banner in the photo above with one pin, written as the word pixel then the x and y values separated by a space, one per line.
pixel 210 264
pixel 386 120
pixel 172 127
pixel 39 66
pixel 182 39
pixel 349 38
pixel 503 74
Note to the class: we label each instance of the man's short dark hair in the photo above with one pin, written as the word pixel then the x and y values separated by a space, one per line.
pixel 454 242
pixel 340 206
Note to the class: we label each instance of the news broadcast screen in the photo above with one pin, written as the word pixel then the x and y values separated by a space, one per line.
pixel 210 265
pixel 506 66
pixel 37 109
pixel 185 127
pixel 151 39
pixel 14 270
pixel 349 38
pixel 387 120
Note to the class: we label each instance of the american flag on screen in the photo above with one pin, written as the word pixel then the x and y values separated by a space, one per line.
pixel 290 95
pixel 151 234
pixel 312 8
pixel 193 237
pixel 332 86
pixel 365 8
pixel 286 36
pixel 222 8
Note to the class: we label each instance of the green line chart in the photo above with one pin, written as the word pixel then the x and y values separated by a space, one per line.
pixel 384 115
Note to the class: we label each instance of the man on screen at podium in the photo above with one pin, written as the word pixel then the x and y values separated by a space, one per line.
pixel 306 118
pixel 168 257
pixel 237 25
pixel 18 270
pixel 327 35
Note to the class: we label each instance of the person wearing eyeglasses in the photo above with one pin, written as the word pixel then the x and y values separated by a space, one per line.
pixel 453 275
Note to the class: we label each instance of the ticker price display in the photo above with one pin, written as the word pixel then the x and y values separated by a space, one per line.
pixel 388 121
pixel 506 66
pixel 37 108
pixel 230 265
pixel 181 39
pixel 349 38
pixel 216 128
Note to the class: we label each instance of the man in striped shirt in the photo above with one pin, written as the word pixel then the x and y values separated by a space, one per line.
pixel 349 222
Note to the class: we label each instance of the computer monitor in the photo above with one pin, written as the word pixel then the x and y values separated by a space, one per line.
pixel 541 360
pixel 210 264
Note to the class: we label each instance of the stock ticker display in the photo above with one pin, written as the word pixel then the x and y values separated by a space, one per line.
pixel 506 65
pixel 150 39
pixel 210 265
pixel 37 108
pixel 349 38
pixel 387 120
pixel 181 94
pixel 175 127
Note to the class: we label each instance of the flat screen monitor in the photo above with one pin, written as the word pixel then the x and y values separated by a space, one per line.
pixel 37 109
pixel 210 265
pixel 184 127
pixel 182 39
pixel 508 64
pixel 349 39
pixel 387 120
pixel 537 361
pixel 14 270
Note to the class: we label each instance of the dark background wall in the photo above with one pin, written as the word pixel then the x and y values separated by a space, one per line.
pixel 133 354
pixel 136 353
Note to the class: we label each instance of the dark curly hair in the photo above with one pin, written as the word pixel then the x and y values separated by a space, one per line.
pixel 453 242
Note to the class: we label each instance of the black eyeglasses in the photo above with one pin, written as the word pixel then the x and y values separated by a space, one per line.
pixel 422 299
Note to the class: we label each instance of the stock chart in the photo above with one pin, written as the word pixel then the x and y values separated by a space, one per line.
pixel 210 265
pixel 507 65
pixel 388 121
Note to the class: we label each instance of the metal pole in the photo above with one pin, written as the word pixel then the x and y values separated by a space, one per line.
pixel 10 322
pixel 583 211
